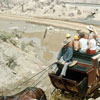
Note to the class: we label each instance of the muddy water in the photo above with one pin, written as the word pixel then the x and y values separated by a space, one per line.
pixel 51 43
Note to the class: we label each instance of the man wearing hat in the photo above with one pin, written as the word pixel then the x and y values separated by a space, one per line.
pixel 92 30
pixel 68 37
pixel 76 43
pixel 64 57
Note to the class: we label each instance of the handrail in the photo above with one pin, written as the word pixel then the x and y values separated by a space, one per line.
pixel 96 57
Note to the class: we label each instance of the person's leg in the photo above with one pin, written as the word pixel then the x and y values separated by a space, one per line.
pixel 63 73
pixel 54 67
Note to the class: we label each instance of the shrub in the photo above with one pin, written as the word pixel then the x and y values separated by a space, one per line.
pixel 23 45
pixel 11 62
pixel 13 42
pixel 4 37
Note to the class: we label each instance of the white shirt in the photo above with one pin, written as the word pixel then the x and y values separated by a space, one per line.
pixel 83 43
pixel 92 44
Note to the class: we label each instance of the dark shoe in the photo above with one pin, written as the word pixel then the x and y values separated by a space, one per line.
pixel 63 76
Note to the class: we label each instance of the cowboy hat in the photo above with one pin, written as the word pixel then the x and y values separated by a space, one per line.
pixel 66 42
pixel 90 27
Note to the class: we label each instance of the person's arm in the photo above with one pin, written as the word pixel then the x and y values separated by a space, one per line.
pixel 70 55
pixel 79 45
pixel 60 54
pixel 89 45
pixel 95 31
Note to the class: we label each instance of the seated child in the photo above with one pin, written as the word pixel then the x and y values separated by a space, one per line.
pixel 76 43
pixel 91 45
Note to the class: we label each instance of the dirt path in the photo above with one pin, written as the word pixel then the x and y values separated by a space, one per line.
pixel 50 22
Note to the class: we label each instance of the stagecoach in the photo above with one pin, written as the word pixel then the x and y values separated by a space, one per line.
pixel 81 79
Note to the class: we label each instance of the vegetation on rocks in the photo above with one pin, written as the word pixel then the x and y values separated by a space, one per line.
pixel 23 45
pixel 11 62
pixel 4 36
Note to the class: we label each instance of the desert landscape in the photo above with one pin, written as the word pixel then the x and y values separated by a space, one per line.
pixel 26 50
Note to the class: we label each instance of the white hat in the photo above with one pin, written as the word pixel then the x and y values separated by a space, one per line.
pixel 90 27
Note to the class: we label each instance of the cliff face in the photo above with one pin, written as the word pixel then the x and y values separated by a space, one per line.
pixel 18 60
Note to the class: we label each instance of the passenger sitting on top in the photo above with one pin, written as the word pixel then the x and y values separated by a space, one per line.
pixel 68 37
pixel 76 43
pixel 92 29
pixel 83 43
pixel 91 44
pixel 64 57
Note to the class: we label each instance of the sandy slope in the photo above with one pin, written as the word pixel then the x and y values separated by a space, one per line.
pixel 17 65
